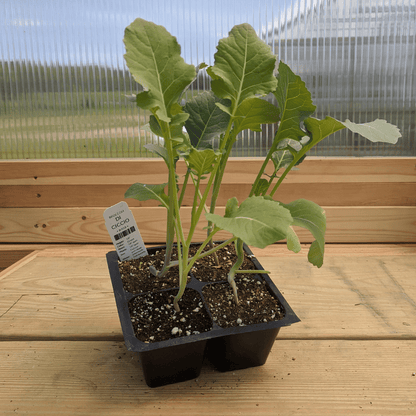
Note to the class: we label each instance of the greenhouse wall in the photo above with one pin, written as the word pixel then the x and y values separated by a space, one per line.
pixel 64 83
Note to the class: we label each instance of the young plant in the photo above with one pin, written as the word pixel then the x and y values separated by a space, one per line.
pixel 243 72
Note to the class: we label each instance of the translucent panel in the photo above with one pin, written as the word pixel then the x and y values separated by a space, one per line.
pixel 63 80
pixel 358 60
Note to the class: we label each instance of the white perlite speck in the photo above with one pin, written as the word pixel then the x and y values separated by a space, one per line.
pixel 175 330
pixel 239 321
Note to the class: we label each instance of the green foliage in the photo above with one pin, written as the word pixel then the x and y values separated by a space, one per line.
pixel 243 67
pixel 295 103
pixel 243 72
pixel 154 59
pixel 253 112
pixel 206 120
pixel 285 154
pixel 375 131
pixel 143 192
pixel 257 221
pixel 201 162
pixel 307 214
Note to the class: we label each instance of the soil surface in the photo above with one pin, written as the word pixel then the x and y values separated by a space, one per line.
pixel 206 269
pixel 154 317
pixel 137 278
pixel 256 304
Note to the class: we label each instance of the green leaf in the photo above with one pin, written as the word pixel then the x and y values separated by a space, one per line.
pixel 231 207
pixel 155 126
pixel 154 60
pixel 295 105
pixel 206 120
pixel 175 130
pixel 315 254
pixel 184 146
pixel 261 187
pixel 257 221
pixel 375 131
pixel 179 119
pixel 285 154
pixel 224 108
pixel 293 243
pixel 159 150
pixel 243 67
pixel 307 214
pixel 253 112
pixel 320 129
pixel 201 161
pixel 143 192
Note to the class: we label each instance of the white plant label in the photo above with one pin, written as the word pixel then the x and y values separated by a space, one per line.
pixel 124 233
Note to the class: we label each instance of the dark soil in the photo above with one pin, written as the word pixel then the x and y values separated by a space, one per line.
pixel 206 269
pixel 137 278
pixel 256 304
pixel 154 317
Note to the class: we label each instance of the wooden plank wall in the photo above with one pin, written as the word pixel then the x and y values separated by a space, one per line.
pixel 367 200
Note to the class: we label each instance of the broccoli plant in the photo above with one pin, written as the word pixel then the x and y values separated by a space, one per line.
pixel 244 71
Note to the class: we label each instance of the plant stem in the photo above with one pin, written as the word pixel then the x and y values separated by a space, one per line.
pixel 218 180
pixel 272 149
pixel 174 224
pixel 201 207
pixel 170 226
pixel 220 173
pixel 185 264
pixel 240 258
pixel 288 169
pixel 198 254
pixel 185 183
pixel 252 271
pixel 195 203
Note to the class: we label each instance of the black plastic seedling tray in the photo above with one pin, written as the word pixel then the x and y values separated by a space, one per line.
pixel 181 358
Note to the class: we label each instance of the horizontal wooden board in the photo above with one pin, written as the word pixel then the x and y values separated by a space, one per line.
pixel 239 170
pixel 327 181
pixel 300 377
pixel 86 225
pixel 63 293
pixel 330 194
pixel 352 353
pixel 275 250
pixel 68 316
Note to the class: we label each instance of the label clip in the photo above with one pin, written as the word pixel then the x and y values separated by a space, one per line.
pixel 124 233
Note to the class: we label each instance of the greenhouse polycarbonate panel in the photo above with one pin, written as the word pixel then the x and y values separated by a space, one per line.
pixel 64 82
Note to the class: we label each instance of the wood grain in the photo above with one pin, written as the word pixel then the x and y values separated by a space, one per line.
pixel 324 377
pixel 327 181
pixel 239 170
pixel 61 348
pixel 330 194
pixel 86 225
pixel 60 201
pixel 275 250
pixel 11 256
pixel 63 296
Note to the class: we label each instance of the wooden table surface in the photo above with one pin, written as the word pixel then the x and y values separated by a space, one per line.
pixel 354 353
